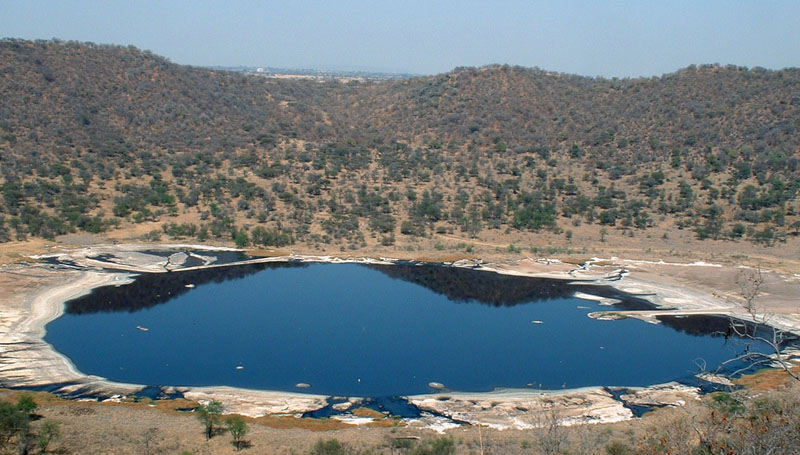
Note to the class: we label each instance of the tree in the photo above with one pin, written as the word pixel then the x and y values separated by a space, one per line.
pixel 238 428
pixel 429 208
pixel 760 327
pixel 25 440
pixel 270 237
pixel 472 222
pixel 26 405
pixel 26 408
pixel 209 415
pixel 14 423
pixel 535 217
pixel 149 437
pixel 551 434
pixel 48 432
pixel 240 237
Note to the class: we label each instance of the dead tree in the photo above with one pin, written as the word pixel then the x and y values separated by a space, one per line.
pixel 549 430
pixel 759 327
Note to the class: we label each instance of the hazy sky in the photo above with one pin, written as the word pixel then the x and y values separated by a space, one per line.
pixel 608 38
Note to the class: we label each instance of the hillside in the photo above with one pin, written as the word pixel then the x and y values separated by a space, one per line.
pixel 97 138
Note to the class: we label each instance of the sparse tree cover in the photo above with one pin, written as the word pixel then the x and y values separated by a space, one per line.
pixel 17 431
pixel 93 137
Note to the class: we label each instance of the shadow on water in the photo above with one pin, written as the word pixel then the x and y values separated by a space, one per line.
pixel 698 325
pixel 457 284
pixel 495 289
pixel 152 289
pixel 721 326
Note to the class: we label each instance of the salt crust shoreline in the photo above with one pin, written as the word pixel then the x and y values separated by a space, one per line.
pixel 29 362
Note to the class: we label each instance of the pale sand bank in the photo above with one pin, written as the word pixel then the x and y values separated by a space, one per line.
pixel 27 360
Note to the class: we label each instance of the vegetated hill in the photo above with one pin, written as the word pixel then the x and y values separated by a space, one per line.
pixel 94 137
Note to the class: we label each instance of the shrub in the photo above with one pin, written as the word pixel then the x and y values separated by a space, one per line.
pixel 329 447
pixel 439 446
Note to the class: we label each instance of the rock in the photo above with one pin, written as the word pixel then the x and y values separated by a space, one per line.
pixel 342 406
pixel 522 409
pixel 179 258
pixel 669 394
pixel 257 403
pixel 715 379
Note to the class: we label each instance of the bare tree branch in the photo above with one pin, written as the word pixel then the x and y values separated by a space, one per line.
pixel 750 283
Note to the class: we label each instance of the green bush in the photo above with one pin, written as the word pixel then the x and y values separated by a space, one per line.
pixel 618 448
pixel 329 447
pixel 439 446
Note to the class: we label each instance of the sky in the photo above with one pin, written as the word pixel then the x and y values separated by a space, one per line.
pixel 591 38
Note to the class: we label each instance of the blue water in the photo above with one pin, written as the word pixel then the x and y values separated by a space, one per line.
pixel 352 330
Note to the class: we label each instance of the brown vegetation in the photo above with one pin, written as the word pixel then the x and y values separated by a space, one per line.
pixel 99 137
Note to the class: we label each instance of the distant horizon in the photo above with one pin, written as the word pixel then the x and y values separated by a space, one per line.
pixel 386 71
pixel 614 38
pixel 488 65
pixel 323 68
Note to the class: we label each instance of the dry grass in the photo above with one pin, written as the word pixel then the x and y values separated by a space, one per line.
pixel 767 379
pixel 15 252
pixel 267 253
pixel 445 257
pixel 367 412
pixel 289 422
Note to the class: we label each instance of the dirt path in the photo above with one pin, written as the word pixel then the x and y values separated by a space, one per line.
pixel 472 241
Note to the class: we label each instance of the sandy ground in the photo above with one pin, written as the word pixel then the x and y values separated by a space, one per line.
pixel 33 294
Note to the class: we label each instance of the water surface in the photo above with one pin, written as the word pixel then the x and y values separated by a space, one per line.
pixel 358 330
